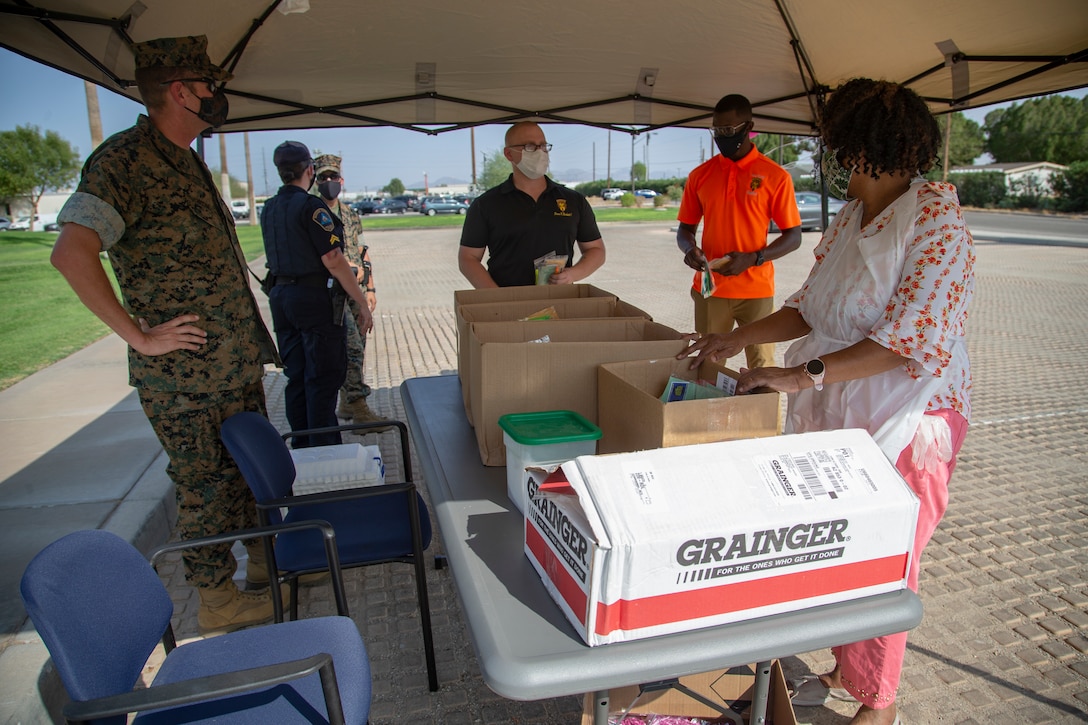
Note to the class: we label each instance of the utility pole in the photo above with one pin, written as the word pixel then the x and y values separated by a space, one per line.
pixel 224 176
pixel 610 158
pixel 472 139
pixel 594 160
pixel 94 116
pixel 947 144
pixel 252 198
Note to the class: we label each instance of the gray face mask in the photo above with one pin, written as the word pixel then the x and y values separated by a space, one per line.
pixel 533 164
pixel 835 174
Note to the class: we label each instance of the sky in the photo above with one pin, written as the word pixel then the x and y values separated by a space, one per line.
pixel 52 100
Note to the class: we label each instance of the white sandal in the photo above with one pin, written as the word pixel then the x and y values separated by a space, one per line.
pixel 810 691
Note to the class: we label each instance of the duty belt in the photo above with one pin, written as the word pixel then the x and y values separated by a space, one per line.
pixel 318 281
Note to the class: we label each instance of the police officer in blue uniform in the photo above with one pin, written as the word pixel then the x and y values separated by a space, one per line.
pixel 311 281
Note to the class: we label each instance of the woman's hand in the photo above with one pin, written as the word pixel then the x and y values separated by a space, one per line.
pixel 782 380
pixel 714 347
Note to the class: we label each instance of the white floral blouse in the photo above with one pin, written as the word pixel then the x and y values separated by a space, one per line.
pixel 905 281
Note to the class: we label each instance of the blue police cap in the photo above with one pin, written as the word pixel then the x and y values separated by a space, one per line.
pixel 290 153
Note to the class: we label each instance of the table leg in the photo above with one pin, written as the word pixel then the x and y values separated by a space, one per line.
pixel 600 707
pixel 762 692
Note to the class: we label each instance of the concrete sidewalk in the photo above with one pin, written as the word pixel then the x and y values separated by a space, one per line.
pixel 1004 582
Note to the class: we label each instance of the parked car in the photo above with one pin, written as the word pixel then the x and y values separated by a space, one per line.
pixel 366 206
pixel 391 206
pixel 611 194
pixel 410 199
pixel 432 205
pixel 240 208
pixel 4 223
pixel 647 193
pixel 808 203
pixel 42 222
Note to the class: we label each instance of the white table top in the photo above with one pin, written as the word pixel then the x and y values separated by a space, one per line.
pixel 526 648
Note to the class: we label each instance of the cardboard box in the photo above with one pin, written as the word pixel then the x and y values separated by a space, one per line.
pixel 632 417
pixel 732 689
pixel 634 545
pixel 531 292
pixel 565 308
pixel 511 374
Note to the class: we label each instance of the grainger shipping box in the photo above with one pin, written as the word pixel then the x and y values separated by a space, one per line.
pixel 634 545
pixel 632 417
pixel 566 308
pixel 512 374
pixel 732 689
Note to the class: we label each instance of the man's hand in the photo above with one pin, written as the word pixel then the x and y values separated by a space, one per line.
pixel 695 259
pixel 364 319
pixel 732 264
pixel 371 300
pixel 175 334
pixel 565 276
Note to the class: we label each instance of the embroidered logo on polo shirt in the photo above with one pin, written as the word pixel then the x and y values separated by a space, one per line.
pixel 562 204
pixel 757 181
pixel 323 219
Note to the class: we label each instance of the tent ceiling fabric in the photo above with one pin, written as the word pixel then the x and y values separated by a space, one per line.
pixel 616 63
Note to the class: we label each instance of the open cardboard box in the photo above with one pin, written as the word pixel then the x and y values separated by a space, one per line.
pixel 632 417
pixel 565 308
pixel 731 689
pixel 512 374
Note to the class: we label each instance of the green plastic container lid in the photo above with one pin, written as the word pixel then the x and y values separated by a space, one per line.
pixel 547 427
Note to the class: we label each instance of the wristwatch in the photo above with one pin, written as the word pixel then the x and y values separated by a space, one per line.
pixel 759 258
pixel 814 368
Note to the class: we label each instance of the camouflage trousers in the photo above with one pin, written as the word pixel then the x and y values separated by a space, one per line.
pixel 354 387
pixel 212 496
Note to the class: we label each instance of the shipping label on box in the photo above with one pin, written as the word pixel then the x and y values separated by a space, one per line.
pixel 525 367
pixel 632 416
pixel 640 544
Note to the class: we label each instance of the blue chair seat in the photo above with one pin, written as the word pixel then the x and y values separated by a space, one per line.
pixel 296 701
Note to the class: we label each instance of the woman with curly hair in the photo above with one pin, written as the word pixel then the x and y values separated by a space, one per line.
pixel 879 327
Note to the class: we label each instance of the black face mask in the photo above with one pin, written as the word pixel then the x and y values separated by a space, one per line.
pixel 329 189
pixel 213 110
pixel 730 145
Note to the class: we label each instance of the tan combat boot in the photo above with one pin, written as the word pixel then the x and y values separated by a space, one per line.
pixel 224 608
pixel 344 409
pixel 257 571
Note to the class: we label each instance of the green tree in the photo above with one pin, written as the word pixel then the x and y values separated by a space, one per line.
pixel 32 164
pixel 966 141
pixel 638 171
pixel 494 170
pixel 1071 187
pixel 395 187
pixel 779 148
pixel 237 187
pixel 1052 128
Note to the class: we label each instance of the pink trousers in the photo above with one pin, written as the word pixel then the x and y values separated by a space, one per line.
pixel 870 670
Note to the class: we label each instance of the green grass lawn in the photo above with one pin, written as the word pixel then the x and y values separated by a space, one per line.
pixel 43 321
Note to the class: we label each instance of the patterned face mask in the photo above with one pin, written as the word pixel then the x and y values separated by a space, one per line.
pixel 835 174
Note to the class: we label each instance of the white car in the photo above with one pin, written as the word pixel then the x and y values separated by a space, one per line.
pixel 42 223
pixel 239 208
pixel 611 194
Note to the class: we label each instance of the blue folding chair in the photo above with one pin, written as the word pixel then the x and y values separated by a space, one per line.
pixel 373 524
pixel 101 610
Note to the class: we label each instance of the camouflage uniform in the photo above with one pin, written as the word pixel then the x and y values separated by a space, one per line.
pixel 354 386
pixel 172 244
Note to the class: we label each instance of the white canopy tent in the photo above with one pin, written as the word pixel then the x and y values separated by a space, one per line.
pixel 623 64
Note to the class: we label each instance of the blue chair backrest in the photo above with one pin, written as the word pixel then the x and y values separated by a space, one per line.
pixel 99 607
pixel 262 456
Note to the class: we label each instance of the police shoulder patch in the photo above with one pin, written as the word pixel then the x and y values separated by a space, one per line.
pixel 323 219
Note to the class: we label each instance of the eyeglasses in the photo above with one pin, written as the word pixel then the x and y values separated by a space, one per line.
pixel 729 130
pixel 329 176
pixel 531 147
pixel 213 85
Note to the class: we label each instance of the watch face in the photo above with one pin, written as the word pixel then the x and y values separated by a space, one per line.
pixel 815 367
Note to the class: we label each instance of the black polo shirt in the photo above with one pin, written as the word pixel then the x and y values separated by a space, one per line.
pixel 517 230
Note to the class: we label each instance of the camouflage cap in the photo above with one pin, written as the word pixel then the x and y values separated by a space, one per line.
pixel 327 162
pixel 290 153
pixel 190 52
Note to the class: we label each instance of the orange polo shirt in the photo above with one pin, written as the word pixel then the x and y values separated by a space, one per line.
pixel 736 201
